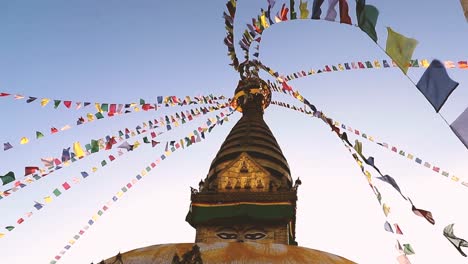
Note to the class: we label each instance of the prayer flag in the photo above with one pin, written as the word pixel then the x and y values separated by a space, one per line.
pixel 293 14
pixel 460 127
pixel 386 209
pixel 456 241
pixel 7 146
pixel 94 146
pixel 4 94
pixel 344 12
pixel 78 150
pixel 331 13
pixel 423 213
pixel 24 140
pixel 388 227
pixel 56 103
pixel 66 154
pixel 388 179
pixel 66 186
pixel 367 16
pixel 31 99
pixel 436 85
pixel 316 9
pixel 67 103
pixel 397 229
pixel 53 130
pixel 408 249
pixel 400 49
pixel 38 206
pixel 39 135
pixel 403 259
pixel 57 192
pixel 464 4
pixel 304 10
pixel 7 178
pixel 30 170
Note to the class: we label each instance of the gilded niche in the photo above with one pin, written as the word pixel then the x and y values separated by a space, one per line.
pixel 243 174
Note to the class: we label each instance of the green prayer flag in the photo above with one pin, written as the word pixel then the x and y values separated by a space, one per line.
pixel 105 107
pixel 94 146
pixel 103 163
pixel 7 178
pixel 142 101
pixel 56 103
pixel 57 192
pixel 400 49
pixel 39 134
pixel 148 169
pixel 124 189
pixel 9 228
pixel 99 115
pixel 408 249
pixel 145 139
pixel 121 133
pixel 292 12
pixel 100 212
pixel 367 16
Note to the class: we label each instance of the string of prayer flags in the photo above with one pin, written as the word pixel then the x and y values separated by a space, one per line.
pixel 460 127
pixel 464 4
pixel 457 126
pixel 229 39
pixel 457 242
pixel 367 16
pixel 436 85
pixel 114 200
pixel 52 164
pixel 400 49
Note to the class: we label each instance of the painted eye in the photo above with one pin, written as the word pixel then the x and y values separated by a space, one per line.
pixel 227 235
pixel 254 236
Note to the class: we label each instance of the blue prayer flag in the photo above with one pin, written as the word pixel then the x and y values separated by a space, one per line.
pixel 436 85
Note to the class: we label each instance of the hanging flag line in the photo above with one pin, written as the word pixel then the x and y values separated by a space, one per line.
pixel 231 6
pixel 390 147
pixel 115 108
pixel 52 164
pixel 373 64
pixel 435 84
pixel 200 135
pixel 101 108
pixel 358 156
pixel 59 190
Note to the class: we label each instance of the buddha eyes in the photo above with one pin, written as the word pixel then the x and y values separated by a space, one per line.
pixel 248 236
pixel 227 235
pixel 254 236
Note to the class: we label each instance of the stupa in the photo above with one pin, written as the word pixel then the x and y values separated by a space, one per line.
pixel 244 211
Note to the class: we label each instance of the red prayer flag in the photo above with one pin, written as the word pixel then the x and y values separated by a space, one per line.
pixel 463 64
pixel 361 65
pixel 344 10
pixel 21 220
pixel 111 158
pixel 424 213
pixel 67 103
pixel 4 94
pixel 153 165
pixel 66 186
pixel 53 130
pixel 30 170
pixel 398 230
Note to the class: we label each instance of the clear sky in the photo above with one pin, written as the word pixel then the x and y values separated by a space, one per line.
pixel 121 51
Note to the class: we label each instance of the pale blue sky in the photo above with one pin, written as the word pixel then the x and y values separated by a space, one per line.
pixel 121 51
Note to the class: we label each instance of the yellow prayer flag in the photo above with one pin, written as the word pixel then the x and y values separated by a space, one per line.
pixel 120 193
pixel 78 150
pixel 24 140
pixel 94 169
pixel 410 156
pixel 371 138
pixel 425 63
pixel 400 49
pixel 71 242
pixel 377 64
pixel 369 176
pixel 303 9
pixel 98 107
pixel 455 178
pixel 48 199
pixel 44 101
pixel 340 67
pixel 2 235
pixel 136 109
pixel 66 127
pixel 263 20
pixel 95 218
pixel 143 173
pixel 90 117
pixel 386 209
